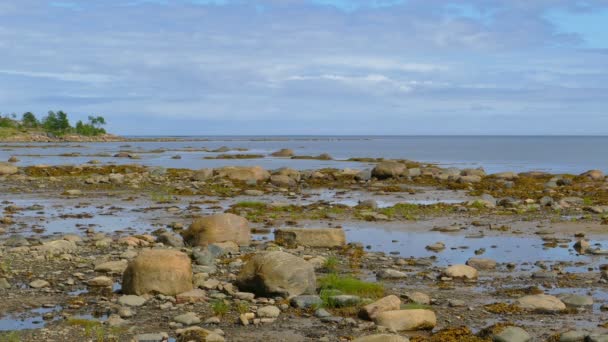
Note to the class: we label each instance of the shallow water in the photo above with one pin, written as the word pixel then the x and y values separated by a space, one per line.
pixel 459 248
pixel 557 154
pixel 30 320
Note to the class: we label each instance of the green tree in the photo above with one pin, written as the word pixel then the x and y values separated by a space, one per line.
pixel 29 120
pixel 57 123
pixel 92 128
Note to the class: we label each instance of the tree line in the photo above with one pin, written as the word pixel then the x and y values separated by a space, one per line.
pixel 57 123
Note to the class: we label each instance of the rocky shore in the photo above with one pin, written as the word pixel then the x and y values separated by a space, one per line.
pixel 41 137
pixel 134 253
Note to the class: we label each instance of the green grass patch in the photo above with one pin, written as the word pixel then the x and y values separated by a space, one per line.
pixel 350 285
pixel 220 307
pixel 11 336
pixel 331 264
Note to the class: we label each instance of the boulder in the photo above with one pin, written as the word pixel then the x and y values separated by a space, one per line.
pixel 202 175
pixel 481 263
pixel 112 267
pixel 407 320
pixel 284 152
pixel 218 228
pixel 8 169
pixel 310 237
pixel 291 173
pixel 512 334
pixel 388 169
pixel 461 271
pixel 594 175
pixel 243 173
pixel 282 181
pixel 163 271
pixel 541 303
pixel 57 247
pixel 388 303
pixel 277 273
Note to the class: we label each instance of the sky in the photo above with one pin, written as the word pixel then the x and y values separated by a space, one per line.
pixel 280 67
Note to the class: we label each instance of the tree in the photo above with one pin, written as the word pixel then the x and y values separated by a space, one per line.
pixel 29 120
pixel 93 127
pixel 57 123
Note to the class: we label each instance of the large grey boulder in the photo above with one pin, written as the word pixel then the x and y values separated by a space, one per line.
pixel 277 273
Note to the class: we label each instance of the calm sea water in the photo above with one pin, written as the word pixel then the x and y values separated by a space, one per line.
pixel 558 154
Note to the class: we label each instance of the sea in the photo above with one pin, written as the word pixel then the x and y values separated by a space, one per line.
pixel 555 154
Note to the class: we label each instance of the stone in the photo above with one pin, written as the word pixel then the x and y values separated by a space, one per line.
pixel 243 173
pixel 573 336
pixel 131 300
pixel 158 337
pixel 284 152
pixel 189 318
pixel 381 338
pixel 112 267
pixel 161 271
pixel 388 169
pixel 390 274
pixel 8 169
pixel 202 175
pixel 342 301
pixel 576 301
pixel 306 301
pixel 198 334
pixel 418 297
pixel 457 303
pixel 541 303
pixel 192 296
pixel 461 271
pixel 436 247
pixel 269 311
pixel 310 237
pixel 482 263
pixel 277 273
pixel 218 228
pixel 4 284
pixel 512 334
pixel 594 175
pixel 171 239
pixel 39 283
pixel 388 303
pixel 101 281
pixel 282 181
pixel 57 247
pixel 407 320
pixel 115 321
pixel 597 338
pixel 582 246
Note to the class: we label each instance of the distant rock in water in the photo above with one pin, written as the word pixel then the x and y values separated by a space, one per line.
pixel 285 152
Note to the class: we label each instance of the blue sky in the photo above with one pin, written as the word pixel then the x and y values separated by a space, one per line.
pixel 311 66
